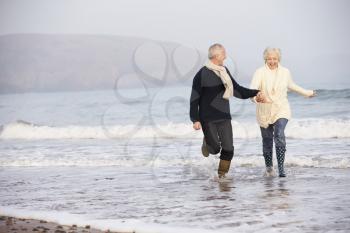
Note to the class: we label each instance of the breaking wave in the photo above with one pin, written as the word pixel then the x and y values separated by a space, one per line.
pixel 296 128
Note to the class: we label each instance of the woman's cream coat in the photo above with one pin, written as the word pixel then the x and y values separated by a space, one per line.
pixel 275 85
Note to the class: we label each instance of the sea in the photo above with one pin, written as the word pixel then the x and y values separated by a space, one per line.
pixel 129 160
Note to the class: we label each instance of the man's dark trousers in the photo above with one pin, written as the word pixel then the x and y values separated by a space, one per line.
pixel 218 136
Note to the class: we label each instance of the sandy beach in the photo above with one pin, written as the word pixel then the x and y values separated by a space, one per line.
pixel 100 105
pixel 21 225
pixel 308 200
pixel 69 169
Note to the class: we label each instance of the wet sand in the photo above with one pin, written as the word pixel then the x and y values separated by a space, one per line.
pixel 21 225
pixel 176 199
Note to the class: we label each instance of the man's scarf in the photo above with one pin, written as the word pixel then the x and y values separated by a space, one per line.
pixel 224 76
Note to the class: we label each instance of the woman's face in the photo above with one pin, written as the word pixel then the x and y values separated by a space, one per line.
pixel 272 60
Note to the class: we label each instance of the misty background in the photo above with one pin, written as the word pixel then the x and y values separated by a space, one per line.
pixel 71 45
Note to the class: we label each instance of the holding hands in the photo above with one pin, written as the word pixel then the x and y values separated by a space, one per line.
pixel 261 98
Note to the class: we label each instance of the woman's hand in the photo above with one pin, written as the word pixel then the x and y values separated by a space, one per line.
pixel 197 125
pixel 313 94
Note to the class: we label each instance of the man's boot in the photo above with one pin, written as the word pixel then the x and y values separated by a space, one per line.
pixel 280 154
pixel 224 166
pixel 205 150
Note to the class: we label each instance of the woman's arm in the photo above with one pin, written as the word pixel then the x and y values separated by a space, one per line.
pixel 294 87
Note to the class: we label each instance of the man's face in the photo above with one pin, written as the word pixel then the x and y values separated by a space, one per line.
pixel 221 57
pixel 272 60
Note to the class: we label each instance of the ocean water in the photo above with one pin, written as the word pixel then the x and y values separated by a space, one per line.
pixel 129 160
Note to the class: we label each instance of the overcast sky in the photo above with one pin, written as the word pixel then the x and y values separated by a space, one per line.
pixel 309 32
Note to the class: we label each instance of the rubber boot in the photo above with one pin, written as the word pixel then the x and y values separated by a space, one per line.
pixel 224 166
pixel 268 159
pixel 280 154
pixel 269 164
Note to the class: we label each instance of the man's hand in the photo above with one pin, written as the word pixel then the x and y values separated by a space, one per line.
pixel 197 125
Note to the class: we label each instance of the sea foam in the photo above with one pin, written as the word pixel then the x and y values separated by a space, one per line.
pixel 296 128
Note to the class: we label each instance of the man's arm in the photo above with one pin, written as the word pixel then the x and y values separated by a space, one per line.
pixel 195 97
pixel 242 92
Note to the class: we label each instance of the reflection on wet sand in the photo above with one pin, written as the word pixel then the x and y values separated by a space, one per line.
pixel 276 193
pixel 226 186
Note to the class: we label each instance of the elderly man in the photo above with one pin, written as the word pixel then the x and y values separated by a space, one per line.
pixel 212 87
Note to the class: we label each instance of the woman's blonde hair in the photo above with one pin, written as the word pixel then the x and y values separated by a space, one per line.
pixel 272 50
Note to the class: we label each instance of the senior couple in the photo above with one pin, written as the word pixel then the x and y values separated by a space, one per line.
pixel 212 87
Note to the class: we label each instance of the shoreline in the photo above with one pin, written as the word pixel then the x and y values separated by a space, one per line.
pixel 9 224
pixel 250 201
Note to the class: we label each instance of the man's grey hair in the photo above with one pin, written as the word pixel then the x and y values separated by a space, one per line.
pixel 272 50
pixel 214 50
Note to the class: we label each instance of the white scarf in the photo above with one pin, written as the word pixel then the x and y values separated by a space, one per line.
pixel 224 76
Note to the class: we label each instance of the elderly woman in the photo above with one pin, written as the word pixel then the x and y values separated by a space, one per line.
pixel 273 112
